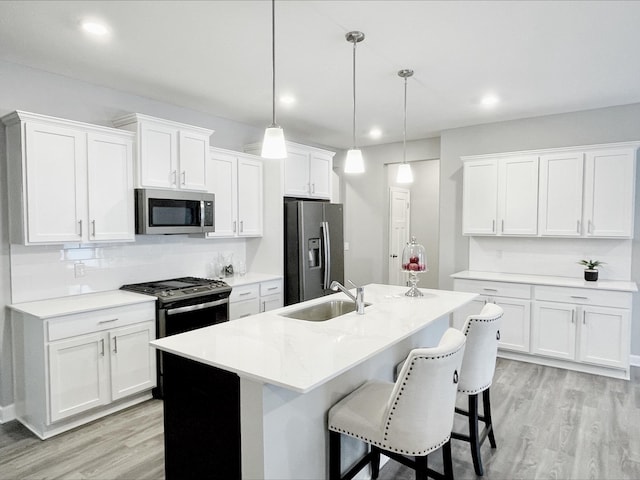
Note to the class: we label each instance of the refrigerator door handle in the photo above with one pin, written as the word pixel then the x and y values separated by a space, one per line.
pixel 326 251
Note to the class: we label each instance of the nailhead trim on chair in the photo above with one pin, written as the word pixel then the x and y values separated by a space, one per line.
pixel 473 319
pixel 384 446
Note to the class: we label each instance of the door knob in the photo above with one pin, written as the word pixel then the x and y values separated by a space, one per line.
pixel 393 255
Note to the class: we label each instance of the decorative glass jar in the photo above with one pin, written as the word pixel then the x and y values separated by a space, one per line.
pixel 414 261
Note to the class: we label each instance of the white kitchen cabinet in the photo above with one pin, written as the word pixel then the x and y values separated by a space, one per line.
pixel 71 368
pixel 500 196
pixel 270 295
pixel 252 298
pixel 168 154
pixel 514 300
pixel 68 181
pixel 306 172
pixel 604 336
pixel 561 193
pixel 609 192
pixel 554 330
pixel 236 181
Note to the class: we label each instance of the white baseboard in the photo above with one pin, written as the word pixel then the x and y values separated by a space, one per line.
pixel 634 360
pixel 7 413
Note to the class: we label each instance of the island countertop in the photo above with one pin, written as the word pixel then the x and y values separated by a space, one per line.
pixel 300 355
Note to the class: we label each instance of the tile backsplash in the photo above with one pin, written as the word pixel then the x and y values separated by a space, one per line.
pixel 40 272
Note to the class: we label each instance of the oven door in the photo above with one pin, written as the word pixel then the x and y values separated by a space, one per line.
pixel 176 319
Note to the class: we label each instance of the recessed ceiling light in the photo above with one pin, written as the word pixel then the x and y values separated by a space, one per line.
pixel 95 28
pixel 489 100
pixel 287 99
pixel 375 133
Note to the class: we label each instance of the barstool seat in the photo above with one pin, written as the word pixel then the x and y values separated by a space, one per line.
pixel 478 367
pixel 405 420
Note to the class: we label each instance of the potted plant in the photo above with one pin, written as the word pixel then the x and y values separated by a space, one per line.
pixel 591 269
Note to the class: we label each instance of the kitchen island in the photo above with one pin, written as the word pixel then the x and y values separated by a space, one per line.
pixel 248 398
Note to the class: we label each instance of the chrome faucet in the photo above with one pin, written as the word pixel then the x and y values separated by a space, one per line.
pixel 358 298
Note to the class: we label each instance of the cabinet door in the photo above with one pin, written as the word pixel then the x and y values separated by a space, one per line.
pixel 515 324
pixel 110 187
pixel 270 302
pixel 480 197
pixel 158 165
pixel 222 181
pixel 133 361
pixel 77 375
pixel 55 183
pixel 604 336
pixel 194 152
pixel 518 195
pixel 296 174
pixel 561 194
pixel 249 197
pixel 243 308
pixel 554 330
pixel 609 193
pixel 320 176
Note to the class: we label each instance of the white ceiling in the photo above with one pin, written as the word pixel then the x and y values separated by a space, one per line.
pixel 539 57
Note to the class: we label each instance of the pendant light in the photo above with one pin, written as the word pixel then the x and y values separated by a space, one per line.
pixel 405 175
pixel 354 162
pixel 273 145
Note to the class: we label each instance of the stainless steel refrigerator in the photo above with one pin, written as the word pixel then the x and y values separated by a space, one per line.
pixel 314 249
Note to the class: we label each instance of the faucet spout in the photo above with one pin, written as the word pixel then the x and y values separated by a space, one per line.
pixel 358 298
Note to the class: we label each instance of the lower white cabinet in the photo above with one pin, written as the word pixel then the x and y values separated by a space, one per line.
pixel 578 328
pixel 253 298
pixel 71 369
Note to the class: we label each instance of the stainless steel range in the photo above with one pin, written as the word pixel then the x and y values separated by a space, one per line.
pixel 184 304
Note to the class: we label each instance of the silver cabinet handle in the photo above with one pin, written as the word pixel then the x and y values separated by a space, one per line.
pixel 244 293
pixel 234 226
pixel 245 315
pixel 584 317
pixel 272 288
pixel 502 229
pixel 241 226
pixel 493 226
pixel 264 307
pixel 578 228
pixel 199 306
pixel 573 313
pixel 174 177
pixel 115 344
pixel 579 297
pixel 184 177
pixel 80 225
pixel 107 321
pixel 313 188
pixel 93 228
pixel 102 347
pixel 490 289
pixel 589 226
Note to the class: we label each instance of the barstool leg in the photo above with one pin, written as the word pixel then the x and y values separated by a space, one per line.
pixel 334 455
pixel 486 402
pixel 375 462
pixel 473 434
pixel 446 461
pixel 422 471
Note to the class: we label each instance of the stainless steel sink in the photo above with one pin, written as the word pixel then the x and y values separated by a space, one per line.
pixel 323 311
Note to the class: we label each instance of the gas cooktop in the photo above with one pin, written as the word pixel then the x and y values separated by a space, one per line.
pixel 183 287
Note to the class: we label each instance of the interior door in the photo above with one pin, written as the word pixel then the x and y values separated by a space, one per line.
pixel 399 227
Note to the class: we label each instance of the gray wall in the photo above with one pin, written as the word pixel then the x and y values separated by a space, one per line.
pixel 606 125
pixel 366 207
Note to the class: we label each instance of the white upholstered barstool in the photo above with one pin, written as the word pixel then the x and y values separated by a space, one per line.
pixel 409 418
pixel 478 366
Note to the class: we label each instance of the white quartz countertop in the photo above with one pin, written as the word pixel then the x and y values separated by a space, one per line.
pixel 56 307
pixel 300 355
pixel 249 278
pixel 617 285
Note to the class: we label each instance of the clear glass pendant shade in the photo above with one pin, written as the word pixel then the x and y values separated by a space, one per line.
pixel 414 261
pixel 273 145
pixel 354 162
pixel 405 175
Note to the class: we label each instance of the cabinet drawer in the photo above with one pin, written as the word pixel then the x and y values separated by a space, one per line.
pixel 244 292
pixel 243 308
pixel 498 289
pixel 98 320
pixel 270 288
pixel 584 296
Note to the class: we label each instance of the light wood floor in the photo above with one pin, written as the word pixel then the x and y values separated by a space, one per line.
pixel 550 423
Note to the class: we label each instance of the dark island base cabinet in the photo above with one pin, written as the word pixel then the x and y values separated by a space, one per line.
pixel 201 421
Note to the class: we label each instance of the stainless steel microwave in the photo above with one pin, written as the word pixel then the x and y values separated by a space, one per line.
pixel 166 212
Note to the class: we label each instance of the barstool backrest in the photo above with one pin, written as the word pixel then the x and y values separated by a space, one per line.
pixel 479 363
pixel 419 413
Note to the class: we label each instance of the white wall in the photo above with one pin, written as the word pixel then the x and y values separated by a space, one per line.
pixel 366 207
pixel 606 125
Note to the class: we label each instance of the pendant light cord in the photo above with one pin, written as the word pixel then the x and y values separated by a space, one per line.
pixel 273 61
pixel 404 130
pixel 354 93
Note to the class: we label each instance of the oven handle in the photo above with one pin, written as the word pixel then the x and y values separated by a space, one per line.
pixel 199 306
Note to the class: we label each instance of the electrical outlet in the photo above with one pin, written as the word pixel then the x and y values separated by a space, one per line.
pixel 78 269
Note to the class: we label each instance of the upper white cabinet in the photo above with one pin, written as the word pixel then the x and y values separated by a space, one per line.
pixel 306 171
pixel 500 196
pixel 582 192
pixel 609 192
pixel 168 154
pixel 236 180
pixel 68 181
